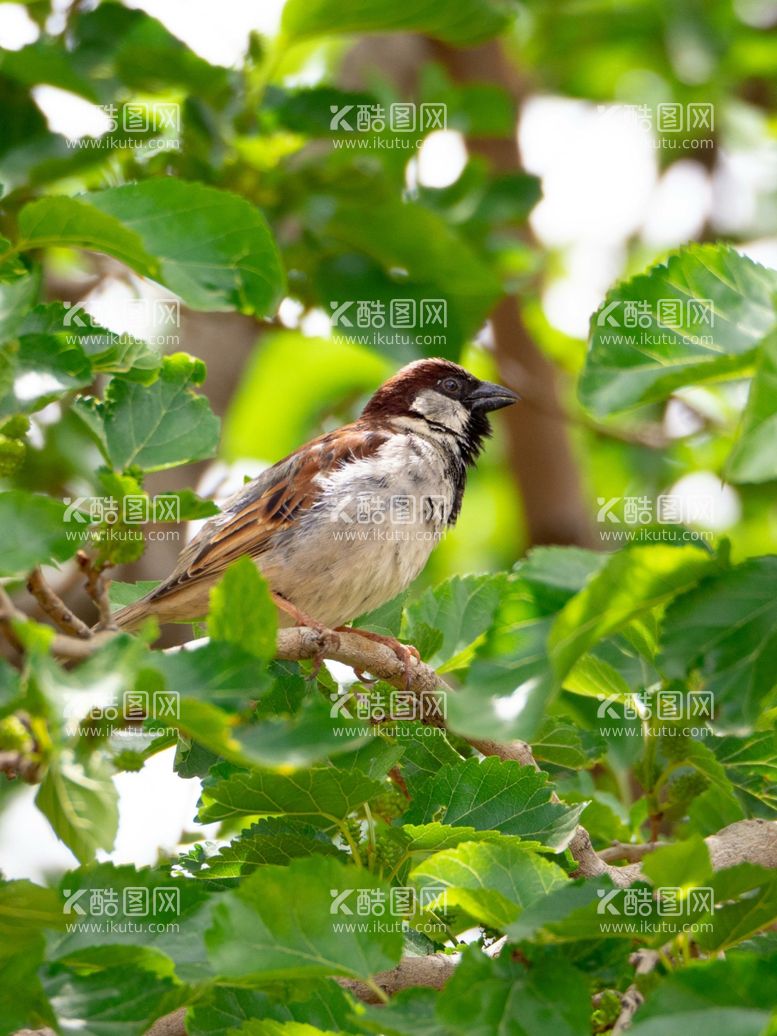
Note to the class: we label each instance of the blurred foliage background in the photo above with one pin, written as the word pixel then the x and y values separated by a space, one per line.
pixel 288 171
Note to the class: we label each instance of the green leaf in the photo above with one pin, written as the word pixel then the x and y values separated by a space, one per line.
pixel 718 997
pixel 496 795
pixel 44 61
pixel 223 1009
pixel 322 791
pixel 506 692
pixel 555 574
pixel 43 370
pixel 470 21
pixel 426 750
pixel 487 996
pixel 727 629
pixel 99 681
pixel 280 924
pixel 149 58
pixel 406 236
pixel 25 911
pixel 631 583
pixel 702 758
pixel 108 352
pixel 410 1012
pixel 562 744
pixel 121 594
pixel 594 909
pixel 374 759
pixel 190 507
pixel 16 298
pixel 711 811
pixel 273 840
pixel 751 765
pixel 509 684
pixel 169 907
pixel 73 221
pixel 271 1027
pixel 118 1001
pixel 681 865
pixel 242 612
pixel 309 736
pixel 436 837
pixel 210 726
pixel 34 532
pixel 287 693
pixel 212 248
pixel 22 1000
pixel 461 609
pixel 160 425
pixel 675 345
pixel 567 912
pixel 216 671
pixel 491 881
pixel 739 918
pixel 593 677
pixel 81 803
pixel 753 458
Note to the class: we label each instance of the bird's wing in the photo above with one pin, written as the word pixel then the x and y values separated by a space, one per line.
pixel 267 505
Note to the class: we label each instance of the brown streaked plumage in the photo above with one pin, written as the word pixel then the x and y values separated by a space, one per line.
pixel 415 439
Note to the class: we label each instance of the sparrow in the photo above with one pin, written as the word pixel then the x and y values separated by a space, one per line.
pixel 346 522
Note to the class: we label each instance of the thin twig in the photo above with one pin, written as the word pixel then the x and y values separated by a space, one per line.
pixel 627 851
pixel 644 962
pixel 53 606
pixel 18 764
pixel 62 645
pixel 97 588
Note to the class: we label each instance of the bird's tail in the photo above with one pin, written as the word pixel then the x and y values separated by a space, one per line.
pixel 133 616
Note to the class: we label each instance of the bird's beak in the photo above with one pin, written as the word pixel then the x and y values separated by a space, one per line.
pixel 489 396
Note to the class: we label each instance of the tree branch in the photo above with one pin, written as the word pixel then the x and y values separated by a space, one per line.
pixel 432 971
pixel 644 961
pixel 366 656
pixel 53 606
pixel 62 645
pixel 753 841
pixel 97 588
pixel 627 851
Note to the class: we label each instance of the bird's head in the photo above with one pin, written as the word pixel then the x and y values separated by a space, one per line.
pixel 446 397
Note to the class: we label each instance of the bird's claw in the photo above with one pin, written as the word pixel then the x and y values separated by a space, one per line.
pixel 328 640
pixel 406 653
pixel 368 681
pixel 328 644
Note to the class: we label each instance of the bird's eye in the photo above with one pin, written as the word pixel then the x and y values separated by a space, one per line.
pixel 451 385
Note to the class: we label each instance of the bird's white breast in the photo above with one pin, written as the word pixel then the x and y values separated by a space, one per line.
pixel 370 534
